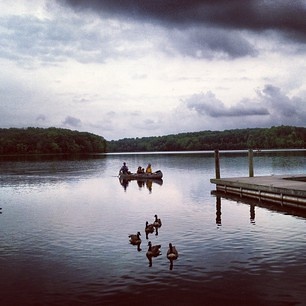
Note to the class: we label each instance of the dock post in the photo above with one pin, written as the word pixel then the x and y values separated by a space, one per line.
pixel 217 164
pixel 251 167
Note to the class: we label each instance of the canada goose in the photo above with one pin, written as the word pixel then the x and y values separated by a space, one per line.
pixel 172 252
pixel 149 229
pixel 157 222
pixel 135 238
pixel 153 250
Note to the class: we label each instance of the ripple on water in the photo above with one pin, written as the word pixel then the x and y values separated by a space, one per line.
pixel 70 234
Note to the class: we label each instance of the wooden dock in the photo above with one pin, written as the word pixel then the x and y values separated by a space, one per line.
pixel 287 190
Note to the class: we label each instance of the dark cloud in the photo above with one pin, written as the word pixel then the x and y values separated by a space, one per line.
pixel 209 43
pixel 72 121
pixel 286 16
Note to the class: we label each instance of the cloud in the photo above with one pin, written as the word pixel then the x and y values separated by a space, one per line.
pixel 207 104
pixel 72 121
pixel 283 107
pixel 210 43
pixel 199 29
pixel 253 15
pixel 41 118
pixel 148 68
pixel 31 41
pixel 204 111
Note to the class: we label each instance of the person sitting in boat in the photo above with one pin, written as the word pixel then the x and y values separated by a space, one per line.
pixel 149 169
pixel 124 169
pixel 140 170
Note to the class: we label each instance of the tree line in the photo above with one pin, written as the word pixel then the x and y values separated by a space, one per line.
pixel 49 141
pixel 63 141
pixel 281 137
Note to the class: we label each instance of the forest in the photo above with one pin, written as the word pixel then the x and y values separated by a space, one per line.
pixel 281 137
pixel 49 141
pixel 31 140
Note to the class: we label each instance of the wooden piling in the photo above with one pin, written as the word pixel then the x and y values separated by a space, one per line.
pixel 251 165
pixel 217 164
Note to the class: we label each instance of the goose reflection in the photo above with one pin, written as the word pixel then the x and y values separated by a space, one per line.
pixel 136 240
pixel 172 254
pixel 153 251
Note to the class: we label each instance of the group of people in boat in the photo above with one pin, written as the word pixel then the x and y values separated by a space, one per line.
pixel 125 170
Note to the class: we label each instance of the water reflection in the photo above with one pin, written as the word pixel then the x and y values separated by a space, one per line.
pixel 53 240
pixel 37 170
pixel 141 183
pixel 218 211
pixel 252 213
pixel 253 203
pixel 124 183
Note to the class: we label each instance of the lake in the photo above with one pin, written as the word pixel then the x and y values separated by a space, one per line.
pixel 65 223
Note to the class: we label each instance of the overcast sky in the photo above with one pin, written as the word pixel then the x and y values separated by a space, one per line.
pixel 138 68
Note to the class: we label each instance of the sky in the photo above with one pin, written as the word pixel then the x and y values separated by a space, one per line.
pixel 137 68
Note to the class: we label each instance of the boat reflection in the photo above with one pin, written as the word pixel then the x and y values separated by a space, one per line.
pixel 141 183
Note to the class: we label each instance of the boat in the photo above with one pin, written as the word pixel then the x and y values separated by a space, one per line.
pixel 141 176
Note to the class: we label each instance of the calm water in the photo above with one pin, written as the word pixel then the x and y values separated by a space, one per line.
pixel 64 232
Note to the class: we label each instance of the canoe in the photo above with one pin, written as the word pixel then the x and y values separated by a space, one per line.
pixel 142 176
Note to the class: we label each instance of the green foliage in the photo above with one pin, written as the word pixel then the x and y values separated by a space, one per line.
pixel 281 137
pixel 51 140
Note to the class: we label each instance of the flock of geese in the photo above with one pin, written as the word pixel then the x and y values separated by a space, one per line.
pixel 154 250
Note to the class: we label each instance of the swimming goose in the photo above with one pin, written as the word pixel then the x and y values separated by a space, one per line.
pixel 149 229
pixel 157 222
pixel 172 252
pixel 135 238
pixel 153 250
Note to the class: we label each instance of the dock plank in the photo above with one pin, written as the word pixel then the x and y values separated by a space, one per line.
pixel 292 188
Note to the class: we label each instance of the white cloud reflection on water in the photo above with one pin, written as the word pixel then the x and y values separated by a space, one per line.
pixel 74 230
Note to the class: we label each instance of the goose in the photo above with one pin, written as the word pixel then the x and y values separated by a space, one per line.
pixel 135 238
pixel 172 252
pixel 149 229
pixel 157 222
pixel 153 250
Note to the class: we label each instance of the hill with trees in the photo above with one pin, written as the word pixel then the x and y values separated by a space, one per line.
pixel 281 137
pixel 14 141
pixel 49 141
